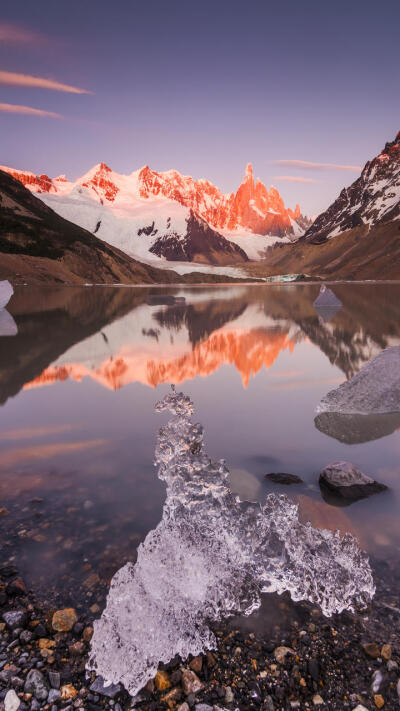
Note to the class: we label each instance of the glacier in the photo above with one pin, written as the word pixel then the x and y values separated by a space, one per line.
pixel 211 556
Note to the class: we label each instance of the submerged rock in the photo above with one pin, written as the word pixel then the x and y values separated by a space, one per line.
pixel 283 478
pixel 345 481
pixel 327 304
pixel 374 390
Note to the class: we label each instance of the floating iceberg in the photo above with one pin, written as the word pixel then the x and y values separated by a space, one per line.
pixel 211 556
pixel 6 292
pixel 374 390
pixel 327 304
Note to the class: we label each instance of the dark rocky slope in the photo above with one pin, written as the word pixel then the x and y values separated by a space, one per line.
pixel 38 245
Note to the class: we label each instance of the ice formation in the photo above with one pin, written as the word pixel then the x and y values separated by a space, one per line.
pixel 8 327
pixel 327 304
pixel 374 390
pixel 211 556
pixel 6 292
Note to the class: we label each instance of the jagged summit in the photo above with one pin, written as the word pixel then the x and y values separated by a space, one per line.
pixel 372 199
pixel 252 208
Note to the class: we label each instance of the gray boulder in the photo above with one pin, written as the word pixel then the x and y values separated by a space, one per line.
pixel 374 390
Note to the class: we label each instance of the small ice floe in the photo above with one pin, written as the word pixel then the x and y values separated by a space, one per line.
pixel 367 406
pixel 342 483
pixel 8 327
pixel 210 557
pixel 327 304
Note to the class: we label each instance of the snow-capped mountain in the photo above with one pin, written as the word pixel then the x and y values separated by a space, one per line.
pixel 374 198
pixel 151 214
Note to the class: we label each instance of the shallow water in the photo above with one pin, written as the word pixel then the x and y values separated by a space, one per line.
pixel 79 381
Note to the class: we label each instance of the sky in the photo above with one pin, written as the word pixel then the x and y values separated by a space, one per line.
pixel 203 87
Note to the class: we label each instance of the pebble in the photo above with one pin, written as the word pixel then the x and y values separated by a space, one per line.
pixel 386 652
pixel 64 620
pixel 191 682
pixel 268 704
pixel 183 707
pixel 54 694
pixel 87 634
pixel 54 678
pixel 162 681
pixel 196 664
pixel 11 701
pixel 68 691
pixel 98 687
pixel 377 679
pixel 379 701
pixel 281 653
pixel 229 695
pixel 15 618
pixel 392 665
pixel 371 649
pixel 318 700
pixel 36 684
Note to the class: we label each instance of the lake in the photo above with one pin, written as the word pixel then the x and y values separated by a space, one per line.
pixel 79 383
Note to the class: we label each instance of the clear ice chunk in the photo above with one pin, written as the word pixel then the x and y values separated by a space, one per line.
pixel 211 556
pixel 374 390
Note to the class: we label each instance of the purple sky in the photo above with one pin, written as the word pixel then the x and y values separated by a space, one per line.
pixel 202 87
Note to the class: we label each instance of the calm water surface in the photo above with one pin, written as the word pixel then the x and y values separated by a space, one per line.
pixel 78 385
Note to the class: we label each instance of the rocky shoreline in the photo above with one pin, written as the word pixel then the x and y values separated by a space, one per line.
pixel 311 662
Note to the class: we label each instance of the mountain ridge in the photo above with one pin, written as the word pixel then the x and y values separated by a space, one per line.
pixel 252 207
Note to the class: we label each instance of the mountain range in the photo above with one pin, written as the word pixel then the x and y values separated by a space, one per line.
pixel 167 216
pixel 156 218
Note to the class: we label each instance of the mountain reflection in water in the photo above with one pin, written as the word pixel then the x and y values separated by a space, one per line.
pixel 77 425
pixel 117 338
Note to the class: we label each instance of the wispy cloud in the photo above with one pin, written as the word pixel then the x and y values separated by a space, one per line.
pixel 15 34
pixel 28 110
pixel 294 179
pixel 14 79
pixel 33 432
pixel 308 165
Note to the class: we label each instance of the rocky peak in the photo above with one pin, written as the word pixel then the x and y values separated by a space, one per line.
pixel 373 198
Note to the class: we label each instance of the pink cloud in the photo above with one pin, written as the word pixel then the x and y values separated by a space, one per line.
pixel 294 179
pixel 308 165
pixel 28 110
pixel 14 79
pixel 15 34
